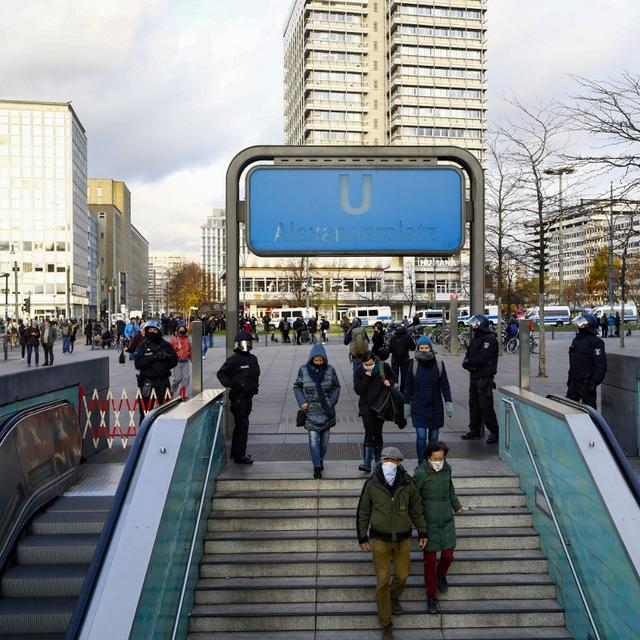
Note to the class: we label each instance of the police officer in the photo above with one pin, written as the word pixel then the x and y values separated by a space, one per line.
pixel 481 361
pixel 154 357
pixel 241 374
pixel 587 361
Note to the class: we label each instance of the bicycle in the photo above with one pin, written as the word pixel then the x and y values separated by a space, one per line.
pixel 513 345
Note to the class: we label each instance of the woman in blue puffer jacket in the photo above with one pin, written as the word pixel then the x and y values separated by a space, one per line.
pixel 317 391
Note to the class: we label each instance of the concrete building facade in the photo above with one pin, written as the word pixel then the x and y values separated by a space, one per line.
pixel 44 220
pixel 212 252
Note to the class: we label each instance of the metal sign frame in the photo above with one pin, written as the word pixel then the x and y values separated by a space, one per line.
pixel 351 157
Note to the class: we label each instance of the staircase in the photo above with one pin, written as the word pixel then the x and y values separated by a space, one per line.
pixel 281 560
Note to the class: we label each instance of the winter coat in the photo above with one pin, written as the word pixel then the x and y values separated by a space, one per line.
pixel 378 342
pixel 155 360
pixel 481 359
pixel 389 513
pixel 425 393
pixel 587 359
pixel 439 502
pixel 305 390
pixel 400 345
pixel 32 336
pixel 182 347
pixel 51 337
pixel 369 388
pixel 240 373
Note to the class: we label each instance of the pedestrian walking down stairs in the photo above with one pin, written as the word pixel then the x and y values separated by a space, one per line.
pixel 282 560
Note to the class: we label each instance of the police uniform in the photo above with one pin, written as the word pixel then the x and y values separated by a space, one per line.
pixel 241 374
pixel 587 367
pixel 481 361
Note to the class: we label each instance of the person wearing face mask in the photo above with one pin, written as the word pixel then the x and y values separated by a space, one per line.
pixel 317 390
pixel 427 386
pixel 371 379
pixel 241 374
pixel 154 358
pixel 440 503
pixel 182 372
pixel 389 507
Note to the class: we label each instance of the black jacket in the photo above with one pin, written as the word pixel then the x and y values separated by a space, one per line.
pixel 400 346
pixel 481 359
pixel 587 359
pixel 369 388
pixel 155 360
pixel 241 373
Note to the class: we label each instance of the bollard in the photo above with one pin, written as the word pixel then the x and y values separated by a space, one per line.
pixel 454 345
pixel 196 360
pixel 524 355
pixel 553 334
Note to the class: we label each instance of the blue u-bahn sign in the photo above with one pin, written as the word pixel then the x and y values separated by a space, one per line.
pixel 368 211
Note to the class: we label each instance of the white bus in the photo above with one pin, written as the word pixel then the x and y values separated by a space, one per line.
pixel 490 312
pixel 291 313
pixel 630 311
pixel 370 315
pixel 553 314
pixel 431 317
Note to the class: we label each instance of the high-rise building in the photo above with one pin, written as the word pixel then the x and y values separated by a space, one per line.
pixel 213 250
pixel 389 72
pixel 44 219
pixel 161 266
pixel 123 252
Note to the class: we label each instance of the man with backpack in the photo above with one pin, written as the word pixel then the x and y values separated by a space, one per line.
pixel 358 342
pixel 400 345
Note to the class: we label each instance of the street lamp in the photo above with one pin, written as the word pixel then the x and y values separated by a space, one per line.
pixel 560 171
pixel 15 270
pixel 6 298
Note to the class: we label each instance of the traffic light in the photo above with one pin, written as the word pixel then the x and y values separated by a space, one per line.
pixel 27 305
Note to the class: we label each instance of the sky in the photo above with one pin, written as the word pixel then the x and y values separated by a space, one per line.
pixel 170 90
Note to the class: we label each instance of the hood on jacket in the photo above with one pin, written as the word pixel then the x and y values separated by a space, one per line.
pixel 318 350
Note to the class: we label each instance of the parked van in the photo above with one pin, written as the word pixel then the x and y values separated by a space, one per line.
pixel 431 317
pixel 490 311
pixel 370 315
pixel 553 314
pixel 291 313
pixel 630 311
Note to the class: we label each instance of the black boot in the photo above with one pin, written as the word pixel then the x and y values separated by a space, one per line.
pixel 443 585
pixel 317 472
pixel 471 435
pixel 492 439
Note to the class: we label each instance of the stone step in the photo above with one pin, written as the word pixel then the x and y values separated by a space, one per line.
pixel 297 500
pixel 361 589
pixel 345 540
pixel 357 563
pixel 349 484
pixel 340 616
pixel 307 519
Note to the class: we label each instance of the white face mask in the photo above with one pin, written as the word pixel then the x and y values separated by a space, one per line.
pixel 437 464
pixel 369 367
pixel 389 469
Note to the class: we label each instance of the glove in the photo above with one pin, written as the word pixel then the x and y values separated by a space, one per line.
pixel 407 410
pixel 449 407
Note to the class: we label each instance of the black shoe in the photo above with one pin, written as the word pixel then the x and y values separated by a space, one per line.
pixel 396 607
pixel 433 606
pixel 364 467
pixel 443 585
pixel 492 439
pixel 242 460
pixel 322 466
pixel 470 435
pixel 317 473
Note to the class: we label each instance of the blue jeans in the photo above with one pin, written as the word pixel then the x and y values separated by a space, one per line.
pixel 205 345
pixel 421 440
pixel 318 443
pixel 210 340
pixel 400 371
pixel 66 344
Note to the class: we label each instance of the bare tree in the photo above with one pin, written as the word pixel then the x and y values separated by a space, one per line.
pixel 626 233
pixel 533 136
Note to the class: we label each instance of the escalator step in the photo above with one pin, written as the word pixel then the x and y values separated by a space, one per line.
pixel 56 549
pixel 43 581
pixel 68 522
pixel 33 636
pixel 81 503
pixel 26 615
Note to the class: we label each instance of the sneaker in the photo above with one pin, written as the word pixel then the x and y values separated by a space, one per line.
pixel 443 585
pixel 396 607
pixel 432 606
pixel 492 439
pixel 470 435
pixel 387 632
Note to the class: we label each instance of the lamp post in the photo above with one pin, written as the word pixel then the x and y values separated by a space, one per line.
pixel 15 270
pixel 6 299
pixel 560 171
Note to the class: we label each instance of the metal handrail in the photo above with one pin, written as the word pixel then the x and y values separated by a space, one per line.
pixel 556 524
pixel 194 538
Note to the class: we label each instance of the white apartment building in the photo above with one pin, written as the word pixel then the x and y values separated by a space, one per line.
pixel 213 250
pixel 389 72
pixel 44 218
pixel 161 265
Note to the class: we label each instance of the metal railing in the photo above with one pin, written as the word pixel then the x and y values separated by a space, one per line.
pixel 554 518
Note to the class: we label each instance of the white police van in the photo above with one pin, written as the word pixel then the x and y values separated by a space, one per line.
pixel 291 313
pixel 630 311
pixel 553 314
pixel 431 317
pixel 370 315
pixel 490 312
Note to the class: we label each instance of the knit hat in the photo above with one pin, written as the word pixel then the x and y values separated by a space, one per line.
pixel 425 340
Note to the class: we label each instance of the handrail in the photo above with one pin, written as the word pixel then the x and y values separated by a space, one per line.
pixel 556 524
pixel 112 518
pixel 612 442
pixel 11 422
pixel 194 538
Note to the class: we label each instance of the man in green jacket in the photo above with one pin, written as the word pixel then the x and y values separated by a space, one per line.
pixel 389 507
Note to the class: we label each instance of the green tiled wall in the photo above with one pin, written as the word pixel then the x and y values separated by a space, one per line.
pixel 608 579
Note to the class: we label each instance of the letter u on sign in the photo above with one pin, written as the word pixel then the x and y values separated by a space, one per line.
pixel 345 200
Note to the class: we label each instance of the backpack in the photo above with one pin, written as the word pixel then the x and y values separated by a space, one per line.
pixel 398 346
pixel 359 342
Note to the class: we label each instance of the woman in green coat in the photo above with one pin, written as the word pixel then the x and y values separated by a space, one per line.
pixel 440 503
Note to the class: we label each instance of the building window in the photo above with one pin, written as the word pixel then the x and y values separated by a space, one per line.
pixel 99 192
pixel 102 215
pixel 51 268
